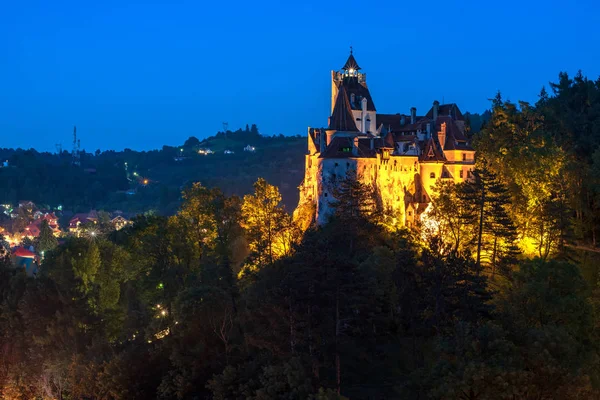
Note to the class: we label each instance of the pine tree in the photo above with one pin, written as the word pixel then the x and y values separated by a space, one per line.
pixel 495 231
pixel 354 200
pixel 46 239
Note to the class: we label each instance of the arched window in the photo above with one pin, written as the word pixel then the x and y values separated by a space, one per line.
pixel 432 175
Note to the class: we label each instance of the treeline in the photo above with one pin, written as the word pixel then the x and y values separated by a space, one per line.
pixel 548 157
pixel 227 300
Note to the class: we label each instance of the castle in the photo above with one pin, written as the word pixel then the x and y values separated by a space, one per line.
pixel 401 156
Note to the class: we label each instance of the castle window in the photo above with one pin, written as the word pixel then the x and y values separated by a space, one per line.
pixel 325 195
pixel 464 156
pixel 347 165
pixel 410 213
pixel 336 164
pixel 460 173
pixel 432 175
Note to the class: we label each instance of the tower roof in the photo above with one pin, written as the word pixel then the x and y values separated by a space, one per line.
pixel 351 63
pixel 342 119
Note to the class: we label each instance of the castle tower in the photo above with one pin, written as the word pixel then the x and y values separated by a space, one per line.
pixel 354 82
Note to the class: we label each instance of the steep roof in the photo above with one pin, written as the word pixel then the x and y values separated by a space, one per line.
pixel 351 63
pixel 342 119
pixel 22 252
pixel 341 147
pixel 359 90
pixel 455 139
pixel 446 110
pixel 431 152
pixel 391 122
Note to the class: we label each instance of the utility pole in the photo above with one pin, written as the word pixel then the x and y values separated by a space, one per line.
pixel 225 128
pixel 75 152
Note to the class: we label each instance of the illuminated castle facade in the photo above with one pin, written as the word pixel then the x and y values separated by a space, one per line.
pixel 402 156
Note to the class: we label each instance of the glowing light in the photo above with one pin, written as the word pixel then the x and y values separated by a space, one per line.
pixel 163 313
pixel 429 226
pixel 162 333
pixel 145 181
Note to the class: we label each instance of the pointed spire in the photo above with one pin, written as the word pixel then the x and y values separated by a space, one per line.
pixel 351 63
pixel 342 119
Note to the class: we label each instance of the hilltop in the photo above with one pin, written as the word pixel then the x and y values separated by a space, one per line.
pixel 140 181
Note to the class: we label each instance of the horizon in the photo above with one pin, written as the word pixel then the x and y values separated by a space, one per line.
pixel 143 76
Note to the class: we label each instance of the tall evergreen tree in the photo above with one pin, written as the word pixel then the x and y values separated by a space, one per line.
pixel 496 235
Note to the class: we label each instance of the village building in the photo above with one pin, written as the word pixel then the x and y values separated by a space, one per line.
pixel 82 218
pixel 32 230
pixel 119 222
pixel 401 155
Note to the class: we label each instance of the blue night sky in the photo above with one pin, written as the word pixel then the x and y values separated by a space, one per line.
pixel 143 74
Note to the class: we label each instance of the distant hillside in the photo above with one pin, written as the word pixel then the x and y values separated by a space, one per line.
pixel 134 181
pixel 140 181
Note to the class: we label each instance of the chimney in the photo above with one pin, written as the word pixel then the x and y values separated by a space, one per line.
pixel 402 120
pixel 372 143
pixel 413 115
pixel 355 146
pixel 428 130
pixel 436 107
pixel 442 135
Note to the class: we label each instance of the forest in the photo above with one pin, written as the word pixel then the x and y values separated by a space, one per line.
pixel 151 181
pixel 495 297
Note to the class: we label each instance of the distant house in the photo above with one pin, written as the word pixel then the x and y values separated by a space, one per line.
pixel 205 152
pixel 120 222
pixel 228 152
pixel 249 148
pixel 33 229
pixel 28 204
pixel 82 218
